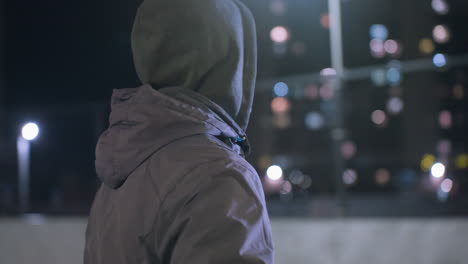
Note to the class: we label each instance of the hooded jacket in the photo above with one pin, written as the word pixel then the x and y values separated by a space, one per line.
pixel 176 186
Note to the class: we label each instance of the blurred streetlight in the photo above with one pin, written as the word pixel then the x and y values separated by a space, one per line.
pixel 275 173
pixel 29 132
pixel 438 170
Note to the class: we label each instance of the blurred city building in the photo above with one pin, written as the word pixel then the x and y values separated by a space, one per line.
pixel 384 137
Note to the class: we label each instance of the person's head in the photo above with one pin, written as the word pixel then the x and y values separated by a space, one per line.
pixel 208 46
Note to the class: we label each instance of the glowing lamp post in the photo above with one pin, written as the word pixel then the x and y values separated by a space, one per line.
pixel 29 132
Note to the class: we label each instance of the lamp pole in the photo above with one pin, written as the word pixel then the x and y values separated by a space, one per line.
pixel 338 133
pixel 29 132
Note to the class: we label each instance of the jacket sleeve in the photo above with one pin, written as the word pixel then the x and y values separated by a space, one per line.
pixel 223 221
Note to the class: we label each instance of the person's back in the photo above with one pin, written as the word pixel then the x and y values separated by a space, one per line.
pixel 176 187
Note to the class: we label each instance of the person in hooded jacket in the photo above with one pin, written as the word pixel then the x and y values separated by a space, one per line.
pixel 176 186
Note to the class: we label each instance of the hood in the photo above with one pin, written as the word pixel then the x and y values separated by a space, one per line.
pixel 206 46
pixel 143 120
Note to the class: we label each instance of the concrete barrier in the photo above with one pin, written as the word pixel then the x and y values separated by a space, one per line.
pixel 41 240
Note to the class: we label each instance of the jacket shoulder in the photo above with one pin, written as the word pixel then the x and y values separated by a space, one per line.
pixel 178 161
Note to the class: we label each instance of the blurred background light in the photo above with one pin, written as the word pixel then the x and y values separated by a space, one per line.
pixel 377 48
pixel 393 76
pixel 348 149
pixel 314 120
pixel 444 146
pixel 327 92
pixel 325 20
pixel 446 185
pixel 382 176
pixel 328 72
pixel 378 31
pixel 392 47
pixel 438 170
pixel 280 105
pixel 445 119
pixel 379 117
pixel 441 34
pixel 441 7
pixel 427 161
pixel 264 161
pixel 296 177
pixel 350 177
pixel 395 105
pixel 439 60
pixel 286 188
pixel 30 131
pixel 279 34
pixel 274 173
pixel 379 77
pixel 461 161
pixel 281 89
pixel 426 46
pixel 278 7
pixel 306 183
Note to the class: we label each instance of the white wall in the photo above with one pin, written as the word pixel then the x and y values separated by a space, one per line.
pixel 355 241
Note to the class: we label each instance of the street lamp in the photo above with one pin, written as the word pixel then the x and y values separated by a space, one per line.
pixel 29 132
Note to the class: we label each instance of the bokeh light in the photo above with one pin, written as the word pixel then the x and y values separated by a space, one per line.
pixel 445 119
pixel 379 77
pixel 461 161
pixel 441 34
pixel 314 120
pixel 379 117
pixel 392 47
pixel 327 92
pixel 377 48
pixel 446 185
pixel 286 188
pixel 296 177
pixel 30 131
pixel 426 46
pixel 350 177
pixel 325 20
pixel 328 72
pixel 378 31
pixel 306 183
pixel 264 161
pixel 279 34
pixel 278 7
pixel 382 176
pixel 393 76
pixel 439 60
pixel 427 161
pixel 348 149
pixel 274 173
pixel 444 146
pixel 395 105
pixel 438 170
pixel 281 89
pixel 441 7
pixel 280 105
